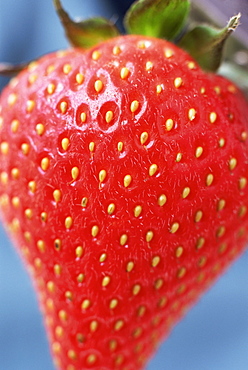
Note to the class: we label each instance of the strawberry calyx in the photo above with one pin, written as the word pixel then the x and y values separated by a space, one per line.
pixel 85 34
pixel 164 19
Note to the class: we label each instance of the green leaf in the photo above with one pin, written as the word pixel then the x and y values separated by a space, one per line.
pixel 205 43
pixel 157 18
pixel 85 34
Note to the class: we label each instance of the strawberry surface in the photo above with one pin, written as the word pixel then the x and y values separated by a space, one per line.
pixel 123 184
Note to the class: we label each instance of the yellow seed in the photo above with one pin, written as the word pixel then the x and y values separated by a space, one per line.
pixel 186 192
pixel 199 151
pixel 232 163
pixel 50 69
pixel 174 227
pixel 79 251
pixel 149 236
pixel 162 200
pixel 32 186
pixel 158 284
pixel 159 89
pixel 32 78
pixel 28 213
pixel 113 303
pixel 109 116
pixel 68 222
pixel 130 266
pixel 242 183
pixel 137 211
pixel 221 204
pixel 242 211
pixel 127 180
pixel 168 53
pixel 169 124
pixel 96 55
pixel 191 114
pixel 244 135
pixel 83 117
pixel 116 50
pixel 67 69
pixel 153 169
pixel 65 143
pixel 4 148
pixel 91 146
pixel 105 281
pixel 16 202
pixel 91 359
pixel 15 173
pixel 181 272
pixel 94 230
pixel 120 146
pixel 74 173
pixel 94 325
pixel 80 278
pixel 123 239
pixel 191 65
pixel 51 88
pixel 136 289
pixel 134 106
pixel 179 251
pixel 141 311
pixel 179 157
pixel 209 179
pixel 57 244
pixel 98 86
pixel 85 304
pixel 200 243
pixel 40 129
pixel 84 202
pixel 178 82
pixel 71 354
pixel 25 148
pixel 12 98
pixel 222 142
pixel 41 246
pixel 103 257
pixel 63 315
pixel 59 331
pixel 102 175
pixel 4 178
pixel 118 325
pixel 57 269
pixel 45 163
pixel 38 263
pixel 124 73
pixel 15 125
pixel 221 231
pixel 212 117
pixel 155 261
pixel 111 208
pixel 198 216
pixel 79 78
pixel 144 137
pixel 63 107
pixel 30 106
pixel 50 286
pixel 202 90
pixel 149 66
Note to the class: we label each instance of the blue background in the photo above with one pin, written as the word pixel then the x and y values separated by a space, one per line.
pixel 213 336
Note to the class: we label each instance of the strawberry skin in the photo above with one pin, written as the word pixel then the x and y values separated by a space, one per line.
pixel 124 186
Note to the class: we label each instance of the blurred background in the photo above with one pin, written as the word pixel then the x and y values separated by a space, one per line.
pixel 214 335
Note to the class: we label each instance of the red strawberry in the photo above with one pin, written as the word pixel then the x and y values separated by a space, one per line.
pixel 124 185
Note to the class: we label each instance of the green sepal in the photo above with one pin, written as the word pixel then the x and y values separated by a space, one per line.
pixel 11 69
pixel 158 18
pixel 85 34
pixel 205 43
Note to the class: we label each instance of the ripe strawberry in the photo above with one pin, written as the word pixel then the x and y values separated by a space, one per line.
pixel 124 186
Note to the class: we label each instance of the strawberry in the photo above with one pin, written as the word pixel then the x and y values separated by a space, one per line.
pixel 124 171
